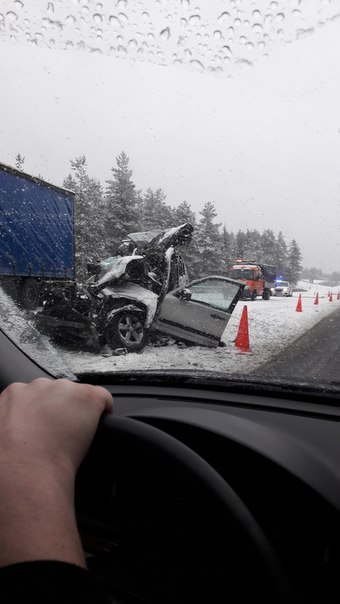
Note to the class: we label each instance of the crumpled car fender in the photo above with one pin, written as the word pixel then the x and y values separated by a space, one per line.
pixel 132 308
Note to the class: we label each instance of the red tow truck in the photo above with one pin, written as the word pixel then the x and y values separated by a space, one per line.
pixel 259 278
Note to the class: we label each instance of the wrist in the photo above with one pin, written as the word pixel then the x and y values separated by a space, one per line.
pixel 37 515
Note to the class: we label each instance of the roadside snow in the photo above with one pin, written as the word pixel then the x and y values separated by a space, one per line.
pixel 273 324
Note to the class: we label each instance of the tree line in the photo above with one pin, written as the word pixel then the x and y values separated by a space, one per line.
pixel 104 215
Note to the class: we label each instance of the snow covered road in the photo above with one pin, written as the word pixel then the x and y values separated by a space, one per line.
pixel 273 324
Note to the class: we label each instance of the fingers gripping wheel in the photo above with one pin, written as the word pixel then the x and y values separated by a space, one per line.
pixel 127 496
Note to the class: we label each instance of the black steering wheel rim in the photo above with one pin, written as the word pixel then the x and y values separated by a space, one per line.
pixel 130 433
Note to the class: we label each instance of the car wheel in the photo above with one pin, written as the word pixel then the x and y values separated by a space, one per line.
pixel 126 330
pixel 30 294
pixel 266 295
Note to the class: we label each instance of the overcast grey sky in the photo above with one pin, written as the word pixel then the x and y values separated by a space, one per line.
pixel 259 136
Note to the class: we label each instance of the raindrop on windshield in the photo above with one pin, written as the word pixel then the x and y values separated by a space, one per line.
pixel 257 14
pixel 121 51
pixel 50 7
pixel 224 17
pixel 11 16
pixel 197 65
pixel 279 17
pixel 123 18
pixel 194 19
pixel 70 19
pixel 97 18
pixel 18 3
pixel 218 34
pixel 113 20
pixel 122 4
pixel 165 34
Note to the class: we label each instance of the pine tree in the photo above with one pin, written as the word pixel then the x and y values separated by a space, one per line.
pixel 155 213
pixel 89 216
pixel 253 245
pixel 19 161
pixel 209 260
pixel 121 200
pixel 268 246
pixel 280 259
pixel 227 248
pixel 182 214
pixel 240 245
pixel 294 267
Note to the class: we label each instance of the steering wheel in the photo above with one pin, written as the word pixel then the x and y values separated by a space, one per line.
pixel 122 442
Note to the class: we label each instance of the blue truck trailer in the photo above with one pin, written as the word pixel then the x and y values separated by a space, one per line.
pixel 36 236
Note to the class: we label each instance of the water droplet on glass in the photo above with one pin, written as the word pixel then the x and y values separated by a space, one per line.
pixel 185 3
pixel 218 34
pixel 197 65
pixel 122 4
pixel 132 43
pixel 123 18
pixel 70 19
pixel 113 20
pixel 273 5
pixel 145 15
pixel 224 17
pixel 268 20
pixel 50 7
pixel 194 20
pixel 19 4
pixel 296 13
pixel 257 14
pixel 188 53
pixel 243 40
pixel 165 34
pixel 257 28
pixel 227 51
pixel 183 22
pixel 279 17
pixel 97 18
pixel 237 22
pixel 250 46
pixel 121 51
pixel 11 16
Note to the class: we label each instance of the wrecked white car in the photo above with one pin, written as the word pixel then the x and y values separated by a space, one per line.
pixel 142 291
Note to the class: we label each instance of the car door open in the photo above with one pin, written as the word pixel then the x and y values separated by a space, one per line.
pixel 200 312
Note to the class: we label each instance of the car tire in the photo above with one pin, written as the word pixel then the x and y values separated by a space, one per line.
pixel 253 295
pixel 126 330
pixel 266 295
pixel 30 294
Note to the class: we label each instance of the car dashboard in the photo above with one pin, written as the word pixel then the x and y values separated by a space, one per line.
pixel 154 535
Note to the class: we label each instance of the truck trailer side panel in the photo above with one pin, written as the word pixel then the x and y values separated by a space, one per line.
pixel 36 227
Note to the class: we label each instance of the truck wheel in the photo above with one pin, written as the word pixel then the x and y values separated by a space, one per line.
pixel 126 330
pixel 30 294
pixel 266 294
pixel 253 295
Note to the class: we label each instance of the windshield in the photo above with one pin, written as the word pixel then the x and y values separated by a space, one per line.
pixel 145 149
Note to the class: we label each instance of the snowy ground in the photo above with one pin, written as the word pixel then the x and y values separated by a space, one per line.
pixel 272 324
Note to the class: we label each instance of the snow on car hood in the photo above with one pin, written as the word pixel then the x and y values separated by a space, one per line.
pixel 117 268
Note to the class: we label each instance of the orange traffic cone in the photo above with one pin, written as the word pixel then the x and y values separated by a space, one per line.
pixel 299 304
pixel 242 338
pixel 330 297
pixel 316 301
